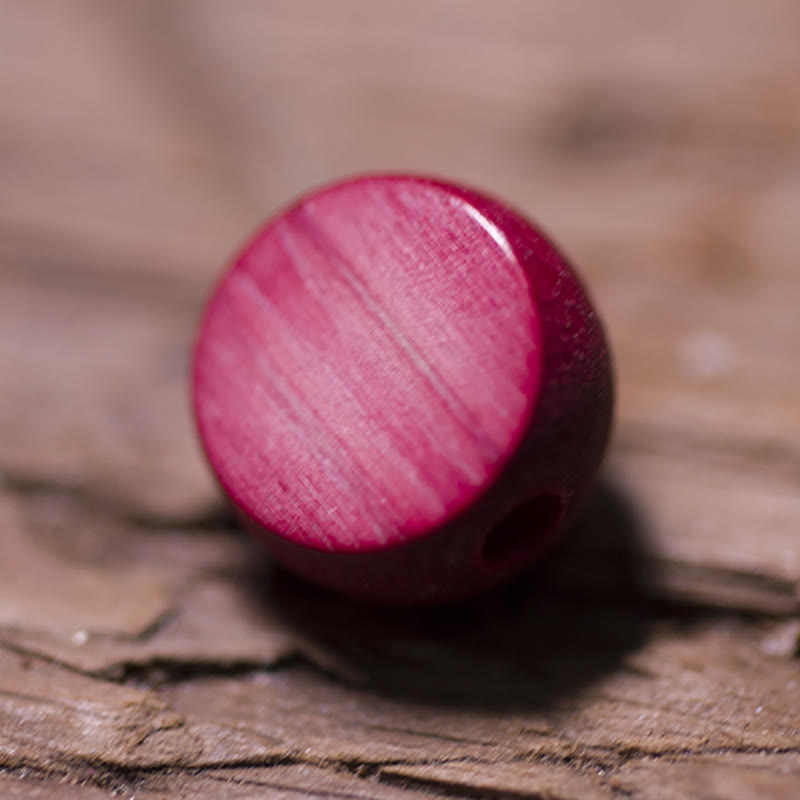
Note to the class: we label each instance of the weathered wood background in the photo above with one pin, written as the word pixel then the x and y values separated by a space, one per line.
pixel 147 650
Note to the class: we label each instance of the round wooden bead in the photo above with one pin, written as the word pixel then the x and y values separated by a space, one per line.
pixel 403 389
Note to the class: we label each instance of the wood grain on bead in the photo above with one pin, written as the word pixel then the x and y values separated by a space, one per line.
pixel 403 389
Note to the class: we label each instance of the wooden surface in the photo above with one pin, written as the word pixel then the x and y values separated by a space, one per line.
pixel 147 649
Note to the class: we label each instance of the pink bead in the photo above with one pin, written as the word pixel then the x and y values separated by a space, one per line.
pixel 403 389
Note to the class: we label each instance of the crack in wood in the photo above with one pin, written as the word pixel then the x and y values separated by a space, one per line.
pixel 157 673
pixel 651 437
pixel 215 519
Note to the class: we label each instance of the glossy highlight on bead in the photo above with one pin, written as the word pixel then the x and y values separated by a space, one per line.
pixel 403 388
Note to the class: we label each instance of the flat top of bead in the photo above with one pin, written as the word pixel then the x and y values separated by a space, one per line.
pixel 368 364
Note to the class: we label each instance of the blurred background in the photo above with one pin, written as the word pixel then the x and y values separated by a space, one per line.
pixel 658 143
pixel 143 141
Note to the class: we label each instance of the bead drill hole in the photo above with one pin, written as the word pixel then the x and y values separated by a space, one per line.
pixel 524 529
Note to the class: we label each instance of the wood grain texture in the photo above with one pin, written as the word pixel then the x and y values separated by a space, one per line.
pixel 653 655
pixel 374 354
